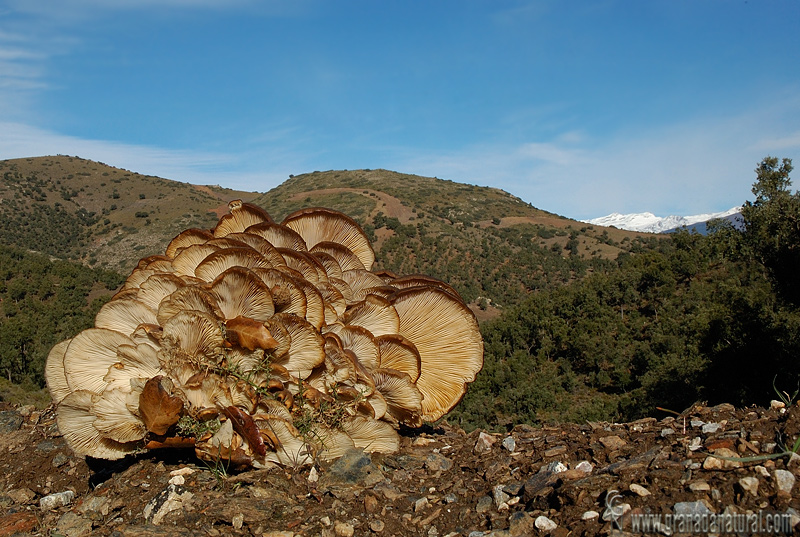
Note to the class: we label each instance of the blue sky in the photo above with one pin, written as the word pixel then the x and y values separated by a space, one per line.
pixel 581 108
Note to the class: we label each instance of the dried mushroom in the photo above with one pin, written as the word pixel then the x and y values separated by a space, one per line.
pixel 262 343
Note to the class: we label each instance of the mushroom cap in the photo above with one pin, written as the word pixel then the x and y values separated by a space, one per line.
pixel 240 292
pixel 372 435
pixel 76 423
pixel 188 258
pixel 397 352
pixel 374 313
pixel 340 253
pixel 124 316
pixel 241 216
pixel 278 236
pixel 114 419
pixel 317 225
pixel 187 238
pixel 403 399
pixel 221 260
pixel 88 357
pixel 54 372
pixel 448 339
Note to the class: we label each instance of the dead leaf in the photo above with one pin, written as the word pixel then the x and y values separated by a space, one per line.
pixel 249 334
pixel 159 409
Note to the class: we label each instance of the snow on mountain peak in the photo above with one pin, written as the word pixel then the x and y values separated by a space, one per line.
pixel 650 223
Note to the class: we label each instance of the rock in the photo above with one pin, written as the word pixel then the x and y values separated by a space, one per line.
pixel 776 405
pixel 555 467
pixel 509 444
pixel 95 504
pixel 343 529
pixel 749 484
pixel 544 524
pixel 10 421
pixel 438 463
pixel 639 490
pixel 691 508
pixel 710 428
pixel 500 497
pixel 370 504
pixel 73 525
pixel 484 504
pixel 377 526
pixel 584 466
pixel 237 521
pixel 354 468
pixel 699 486
pixel 47 446
pixel 420 504
pixel 59 459
pixel 451 498
pixel 590 515
pixel 695 444
pixel 722 459
pixel 520 523
pixel 613 443
pixel 54 501
pixel 22 495
pixel 555 451
pixel 667 431
pixel 170 499
pixel 484 443
pixel 784 480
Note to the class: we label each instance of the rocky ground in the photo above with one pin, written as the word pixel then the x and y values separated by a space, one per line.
pixel 565 480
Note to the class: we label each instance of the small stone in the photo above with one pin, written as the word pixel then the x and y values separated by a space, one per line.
pixel 749 484
pixel 555 451
pixel 697 423
pixel 691 508
pixel 343 529
pixel 370 504
pixel 699 486
pixel 520 523
pixel 237 521
pixel 438 463
pixel 544 524
pixel 325 521
pixel 21 496
pixel 666 431
pixel 377 526
pixel 484 504
pixel 584 466
pixel 776 405
pixel 711 428
pixel 313 475
pixel 784 480
pixel 500 497
pixel 509 444
pixel 73 525
pixel 716 463
pixel 186 470
pixel 95 504
pixel 177 480
pixel 639 490
pixel 420 504
pixel 170 499
pixel 451 498
pixel 613 443
pixel 59 459
pixel 10 421
pixel 555 467
pixel 54 501
pixel 695 444
pixel 590 515
pixel 484 443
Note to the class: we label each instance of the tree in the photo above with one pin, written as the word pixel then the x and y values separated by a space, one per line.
pixel 772 226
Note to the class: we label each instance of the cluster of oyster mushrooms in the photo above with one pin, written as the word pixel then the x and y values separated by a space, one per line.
pixel 262 343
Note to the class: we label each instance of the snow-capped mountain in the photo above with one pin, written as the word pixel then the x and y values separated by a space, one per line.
pixel 650 223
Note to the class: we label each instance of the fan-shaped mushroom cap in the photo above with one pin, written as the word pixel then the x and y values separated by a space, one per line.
pixel 136 278
pixel 315 306
pixel 135 362
pixel 332 297
pixel 331 266
pixel 241 216
pixel 114 419
pixel 76 423
pixel 193 335
pixel 279 236
pixel 330 443
pixel 221 260
pixel 293 451
pixel 344 288
pixel 307 265
pixel 374 313
pixel 187 238
pixel 157 263
pixel 397 352
pixel 262 246
pixel 446 334
pixel 362 343
pixel 124 316
pixel 403 399
pixel 343 256
pixel 317 225
pixel 157 287
pixel 240 292
pixel 306 348
pixel 54 372
pixel 372 435
pixel 287 296
pixel 419 280
pixel 360 281
pixel 188 258
pixel 190 298
pixel 88 357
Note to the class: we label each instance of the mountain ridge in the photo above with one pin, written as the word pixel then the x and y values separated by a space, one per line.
pixel 648 222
